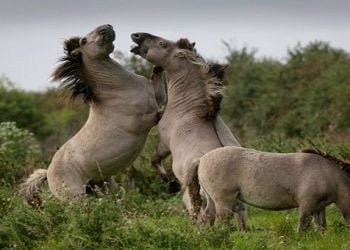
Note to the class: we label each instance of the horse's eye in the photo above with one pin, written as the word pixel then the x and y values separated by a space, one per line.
pixel 83 41
pixel 162 44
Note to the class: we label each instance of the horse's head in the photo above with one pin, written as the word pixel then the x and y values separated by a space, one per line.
pixel 95 45
pixel 159 51
pixel 98 43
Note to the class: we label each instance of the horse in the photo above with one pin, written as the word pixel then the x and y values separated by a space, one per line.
pixel 123 109
pixel 190 125
pixel 309 180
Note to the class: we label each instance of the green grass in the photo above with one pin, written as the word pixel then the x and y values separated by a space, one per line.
pixel 134 221
pixel 146 217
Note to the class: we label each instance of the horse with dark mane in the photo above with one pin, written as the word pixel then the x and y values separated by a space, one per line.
pixel 123 109
pixel 191 125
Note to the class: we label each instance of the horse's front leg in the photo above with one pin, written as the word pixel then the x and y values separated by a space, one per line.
pixel 158 86
pixel 162 152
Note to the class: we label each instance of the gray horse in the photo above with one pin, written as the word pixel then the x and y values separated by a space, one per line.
pixel 190 125
pixel 123 109
pixel 310 180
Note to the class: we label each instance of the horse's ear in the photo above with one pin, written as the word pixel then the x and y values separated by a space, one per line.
pixel 184 43
pixel 218 70
pixel 72 44
pixel 193 45
pixel 224 67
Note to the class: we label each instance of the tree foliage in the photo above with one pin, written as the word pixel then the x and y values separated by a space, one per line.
pixel 304 96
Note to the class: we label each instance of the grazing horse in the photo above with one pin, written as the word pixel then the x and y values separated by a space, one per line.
pixel 123 109
pixel 310 180
pixel 190 125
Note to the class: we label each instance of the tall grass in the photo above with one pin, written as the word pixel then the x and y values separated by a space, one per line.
pixel 138 219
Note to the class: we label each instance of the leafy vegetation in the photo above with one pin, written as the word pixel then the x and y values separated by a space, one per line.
pixel 304 97
pixel 18 151
pixel 270 105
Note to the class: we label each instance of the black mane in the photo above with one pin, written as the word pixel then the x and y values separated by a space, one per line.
pixel 70 73
pixel 218 72
pixel 184 43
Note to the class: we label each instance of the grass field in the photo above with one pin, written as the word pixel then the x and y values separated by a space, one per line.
pixel 133 221
pixel 136 219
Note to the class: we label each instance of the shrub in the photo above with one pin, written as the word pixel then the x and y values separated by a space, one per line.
pixel 18 152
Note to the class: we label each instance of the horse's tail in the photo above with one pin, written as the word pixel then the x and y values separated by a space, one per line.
pixel 31 187
pixel 193 186
pixel 345 166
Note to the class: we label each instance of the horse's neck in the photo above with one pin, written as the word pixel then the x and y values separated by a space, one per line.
pixel 107 76
pixel 186 93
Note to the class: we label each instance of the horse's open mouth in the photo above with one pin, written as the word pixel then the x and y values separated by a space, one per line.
pixel 135 49
pixel 138 48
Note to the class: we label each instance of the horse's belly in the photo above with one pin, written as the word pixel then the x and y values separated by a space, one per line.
pixel 120 161
pixel 110 159
pixel 271 199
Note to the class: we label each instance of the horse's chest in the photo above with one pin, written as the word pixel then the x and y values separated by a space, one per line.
pixel 143 102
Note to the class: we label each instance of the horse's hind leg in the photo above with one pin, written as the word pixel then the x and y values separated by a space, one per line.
pixel 240 214
pixel 320 219
pixel 224 212
pixel 307 208
pixel 304 222
pixel 66 183
pixel 208 213
pixel 343 204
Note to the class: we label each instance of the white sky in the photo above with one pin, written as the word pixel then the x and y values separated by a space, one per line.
pixel 32 32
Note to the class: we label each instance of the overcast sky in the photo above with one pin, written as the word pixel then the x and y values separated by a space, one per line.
pixel 32 32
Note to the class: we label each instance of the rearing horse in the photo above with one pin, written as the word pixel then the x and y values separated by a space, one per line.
pixel 190 125
pixel 123 109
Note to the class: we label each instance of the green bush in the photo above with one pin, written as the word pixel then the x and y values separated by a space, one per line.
pixel 19 152
pixel 21 107
pixel 305 96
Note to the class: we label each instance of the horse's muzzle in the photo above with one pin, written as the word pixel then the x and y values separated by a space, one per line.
pixel 107 32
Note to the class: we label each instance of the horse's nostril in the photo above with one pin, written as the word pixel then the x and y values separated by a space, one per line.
pixel 136 36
